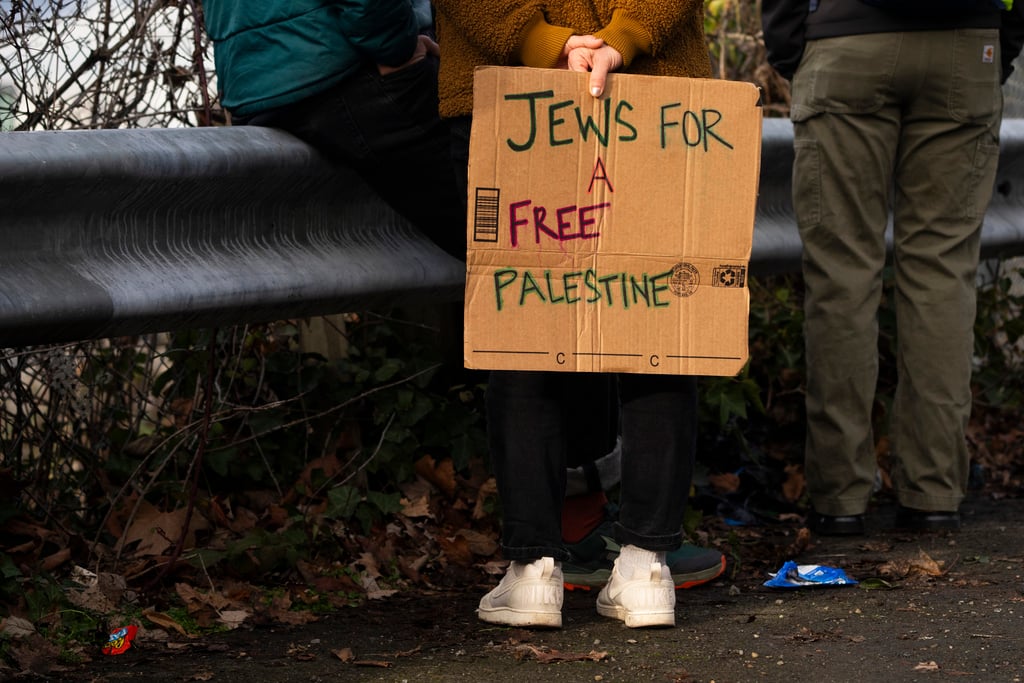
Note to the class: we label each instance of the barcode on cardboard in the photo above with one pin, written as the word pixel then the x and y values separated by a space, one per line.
pixel 485 215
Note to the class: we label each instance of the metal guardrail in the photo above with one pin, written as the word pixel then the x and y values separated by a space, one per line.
pixel 116 232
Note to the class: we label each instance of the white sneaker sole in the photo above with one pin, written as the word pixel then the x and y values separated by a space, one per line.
pixel 511 617
pixel 635 619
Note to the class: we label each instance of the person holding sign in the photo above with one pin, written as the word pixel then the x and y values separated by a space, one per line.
pixel 896 105
pixel 529 413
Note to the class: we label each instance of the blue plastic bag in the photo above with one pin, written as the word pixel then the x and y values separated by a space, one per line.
pixel 792 575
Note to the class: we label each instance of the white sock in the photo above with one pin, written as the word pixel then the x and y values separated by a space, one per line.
pixel 534 568
pixel 609 473
pixel 633 559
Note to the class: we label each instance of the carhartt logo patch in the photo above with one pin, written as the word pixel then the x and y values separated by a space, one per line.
pixel 988 54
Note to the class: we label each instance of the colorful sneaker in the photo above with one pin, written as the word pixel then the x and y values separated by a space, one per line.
pixel 530 594
pixel 692 565
pixel 645 599
pixel 592 558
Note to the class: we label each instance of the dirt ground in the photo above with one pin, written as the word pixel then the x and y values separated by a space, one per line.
pixel 929 607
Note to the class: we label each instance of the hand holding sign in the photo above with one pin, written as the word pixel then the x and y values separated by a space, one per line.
pixel 574 43
pixel 598 61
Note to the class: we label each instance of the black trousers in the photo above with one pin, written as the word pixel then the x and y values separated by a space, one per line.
pixel 388 130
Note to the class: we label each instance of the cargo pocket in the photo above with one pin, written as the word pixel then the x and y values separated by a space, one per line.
pixel 983 174
pixel 807 184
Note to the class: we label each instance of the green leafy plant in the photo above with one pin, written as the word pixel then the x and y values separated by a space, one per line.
pixel 999 335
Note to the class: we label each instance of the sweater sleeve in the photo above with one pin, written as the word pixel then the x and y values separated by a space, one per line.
pixel 626 35
pixel 541 43
pixel 648 26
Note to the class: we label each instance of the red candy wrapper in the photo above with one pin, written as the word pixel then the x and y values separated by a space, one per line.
pixel 120 640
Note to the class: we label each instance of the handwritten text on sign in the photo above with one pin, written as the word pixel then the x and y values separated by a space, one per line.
pixel 563 122
pixel 610 234
pixel 692 128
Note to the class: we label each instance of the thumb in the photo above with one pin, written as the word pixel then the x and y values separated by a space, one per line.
pixel 598 77
pixel 605 61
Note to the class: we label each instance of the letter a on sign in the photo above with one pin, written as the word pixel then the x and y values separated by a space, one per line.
pixel 600 173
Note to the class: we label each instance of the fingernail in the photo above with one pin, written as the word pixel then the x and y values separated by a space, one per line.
pixel 595 91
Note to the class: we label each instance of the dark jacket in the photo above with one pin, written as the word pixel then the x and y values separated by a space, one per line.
pixel 269 53
pixel 788 24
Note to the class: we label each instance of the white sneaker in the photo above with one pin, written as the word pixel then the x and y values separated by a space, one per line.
pixel 530 594
pixel 645 599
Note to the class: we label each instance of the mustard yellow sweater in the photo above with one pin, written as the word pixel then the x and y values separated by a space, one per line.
pixel 658 37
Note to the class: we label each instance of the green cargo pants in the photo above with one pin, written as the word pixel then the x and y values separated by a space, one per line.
pixel 908 121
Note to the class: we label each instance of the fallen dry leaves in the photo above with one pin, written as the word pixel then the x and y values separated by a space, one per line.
pixel 444 527
pixel 440 474
pixel 164 621
pixel 518 644
pixel 794 485
pixel 724 483
pixel 547 655
pixel 921 566
pixel 154 531
pixel 444 535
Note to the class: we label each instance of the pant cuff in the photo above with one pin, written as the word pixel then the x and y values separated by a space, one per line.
pixel 665 542
pixel 921 501
pixel 531 553
pixel 839 508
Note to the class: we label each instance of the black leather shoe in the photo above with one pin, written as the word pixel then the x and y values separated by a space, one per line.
pixel 831 525
pixel 927 520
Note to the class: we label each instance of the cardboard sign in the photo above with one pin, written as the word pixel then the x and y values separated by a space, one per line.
pixel 610 234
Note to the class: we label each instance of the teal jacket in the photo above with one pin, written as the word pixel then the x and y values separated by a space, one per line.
pixel 270 53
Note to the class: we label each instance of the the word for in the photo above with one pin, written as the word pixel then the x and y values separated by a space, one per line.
pixel 587 286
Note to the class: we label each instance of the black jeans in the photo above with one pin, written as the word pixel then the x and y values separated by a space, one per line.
pixel 388 130
pixel 531 417
pixel 539 422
